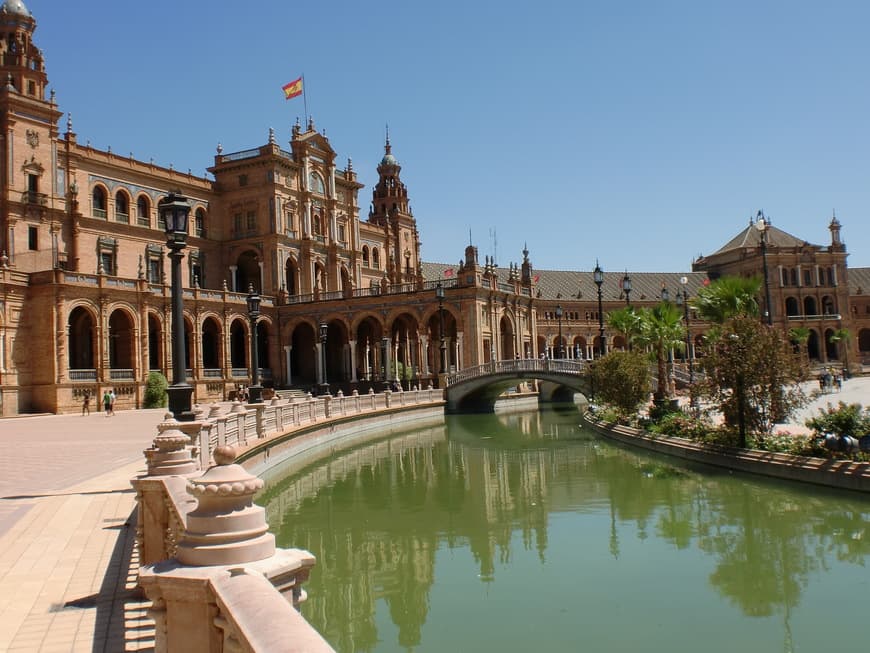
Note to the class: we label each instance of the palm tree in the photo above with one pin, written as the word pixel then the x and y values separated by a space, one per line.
pixel 626 321
pixel 662 330
pixel 842 335
pixel 728 297
pixel 799 336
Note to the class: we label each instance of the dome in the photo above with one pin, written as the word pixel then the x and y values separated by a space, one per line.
pixel 14 7
pixel 389 160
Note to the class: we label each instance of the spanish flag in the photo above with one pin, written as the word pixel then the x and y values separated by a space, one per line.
pixel 292 89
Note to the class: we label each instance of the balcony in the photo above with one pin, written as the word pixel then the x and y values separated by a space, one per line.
pixel 810 318
pixel 83 375
pixel 32 197
pixel 121 375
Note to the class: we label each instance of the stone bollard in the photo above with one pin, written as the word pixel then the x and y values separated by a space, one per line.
pixel 238 407
pixel 214 411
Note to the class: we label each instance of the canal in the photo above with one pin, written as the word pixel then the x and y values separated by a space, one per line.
pixel 525 532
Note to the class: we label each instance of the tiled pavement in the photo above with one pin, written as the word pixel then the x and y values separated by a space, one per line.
pixel 67 526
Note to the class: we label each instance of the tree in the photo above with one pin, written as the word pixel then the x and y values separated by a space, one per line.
pixel 622 380
pixel 799 336
pixel 752 373
pixel 626 321
pixel 728 297
pixel 662 331
pixel 842 336
pixel 155 391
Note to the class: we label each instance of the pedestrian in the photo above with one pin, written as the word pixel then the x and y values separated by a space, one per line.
pixel 112 402
pixel 839 381
pixel 107 403
pixel 86 403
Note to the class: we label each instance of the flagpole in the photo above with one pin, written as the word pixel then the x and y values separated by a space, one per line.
pixel 305 99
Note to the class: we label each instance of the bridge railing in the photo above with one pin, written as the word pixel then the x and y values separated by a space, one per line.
pixel 562 366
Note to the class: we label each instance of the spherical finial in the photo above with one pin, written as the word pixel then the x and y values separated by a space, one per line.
pixel 224 455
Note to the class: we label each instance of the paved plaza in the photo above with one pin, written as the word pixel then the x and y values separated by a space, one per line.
pixel 67 527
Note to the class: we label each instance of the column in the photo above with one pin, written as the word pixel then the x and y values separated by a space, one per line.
pixel 262 281
pixel 424 345
pixel 287 350
pixel 318 352
pixel 353 377
pixel 234 278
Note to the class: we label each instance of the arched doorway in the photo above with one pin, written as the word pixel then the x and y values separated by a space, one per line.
pixel 238 347
pixel 506 332
pixel 810 306
pixel 404 358
pixel 368 349
pixel 541 347
pixel 121 345
pixel 155 343
pixel 248 272
pixel 290 277
pixel 864 343
pixel 303 361
pixel 81 340
pixel 263 350
pixel 211 346
pixel 791 306
pixel 580 347
pixel 813 351
pixel 337 359
pixel 831 352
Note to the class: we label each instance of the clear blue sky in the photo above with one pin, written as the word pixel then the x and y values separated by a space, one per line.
pixel 639 133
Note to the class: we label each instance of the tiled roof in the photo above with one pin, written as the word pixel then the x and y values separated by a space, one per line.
pixel 859 281
pixel 751 237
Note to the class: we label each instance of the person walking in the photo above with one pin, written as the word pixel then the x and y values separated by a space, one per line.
pixel 107 403
pixel 86 403
pixel 112 402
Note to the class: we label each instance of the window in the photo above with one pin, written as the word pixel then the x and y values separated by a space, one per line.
pixel 365 255
pixel 161 223
pixel 107 263
pixel 122 207
pixel 342 234
pixel 199 223
pixel 243 180
pixel 316 184
pixel 155 274
pixel 98 202
pixel 376 258
pixel 143 211
pixel 32 238
pixel 808 279
pixel 252 221
pixel 237 223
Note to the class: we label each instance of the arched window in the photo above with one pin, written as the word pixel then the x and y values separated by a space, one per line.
pixel 122 207
pixel 828 307
pixel 365 255
pixel 810 306
pixel 376 258
pixel 794 276
pixel 143 211
pixel 98 200
pixel 316 184
pixel 783 277
pixel 318 225
pixel 199 225
pixel 791 306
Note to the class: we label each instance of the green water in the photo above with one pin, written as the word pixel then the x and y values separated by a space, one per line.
pixel 526 533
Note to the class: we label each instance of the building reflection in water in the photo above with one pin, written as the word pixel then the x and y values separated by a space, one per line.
pixel 377 517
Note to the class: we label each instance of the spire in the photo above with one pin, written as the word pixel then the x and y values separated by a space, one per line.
pixel 387 147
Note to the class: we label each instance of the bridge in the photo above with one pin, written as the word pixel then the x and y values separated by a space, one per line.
pixel 475 389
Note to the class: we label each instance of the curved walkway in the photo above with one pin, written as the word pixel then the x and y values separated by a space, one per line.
pixel 67 527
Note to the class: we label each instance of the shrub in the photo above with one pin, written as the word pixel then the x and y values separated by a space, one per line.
pixel 621 379
pixel 155 391
pixel 678 424
pixel 845 419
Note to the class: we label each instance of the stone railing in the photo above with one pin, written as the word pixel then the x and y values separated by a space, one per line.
pixel 210 567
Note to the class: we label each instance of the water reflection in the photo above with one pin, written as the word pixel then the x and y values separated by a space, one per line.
pixel 379 519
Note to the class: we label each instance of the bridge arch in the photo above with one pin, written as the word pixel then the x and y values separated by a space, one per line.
pixel 476 389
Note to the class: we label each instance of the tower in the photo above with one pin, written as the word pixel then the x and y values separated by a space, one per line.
pixel 391 212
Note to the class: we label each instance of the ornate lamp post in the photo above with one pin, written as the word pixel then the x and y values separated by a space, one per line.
pixel 683 298
pixel 598 278
pixel 762 226
pixel 174 212
pixel 255 390
pixel 626 288
pixel 439 293
pixel 559 313
pixel 324 331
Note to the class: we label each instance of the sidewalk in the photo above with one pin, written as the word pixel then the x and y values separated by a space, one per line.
pixel 67 529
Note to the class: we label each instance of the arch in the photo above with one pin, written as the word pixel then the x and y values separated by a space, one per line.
pixel 155 342
pixel 541 345
pixel 365 256
pixel 618 343
pixel 813 350
pixel 122 206
pixel 121 340
pixel 320 277
pixel 303 360
pixel 433 328
pixel 369 355
pixel 792 307
pixel 506 338
pixel 143 211
pixel 315 184
pixel 211 344
pixel 290 277
pixel 238 344
pixel 864 341
pixel 828 305
pixel 404 341
pixel 376 259
pixel 810 306
pixel 831 352
pixel 248 272
pixel 99 201
pixel 81 339
pixel 337 360
pixel 199 223
pixel 262 333
pixel 579 346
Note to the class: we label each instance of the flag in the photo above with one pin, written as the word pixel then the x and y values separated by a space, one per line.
pixel 706 282
pixel 448 272
pixel 537 277
pixel 292 89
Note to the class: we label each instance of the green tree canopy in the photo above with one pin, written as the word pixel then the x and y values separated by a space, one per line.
pixel 661 331
pixel 626 321
pixel 728 297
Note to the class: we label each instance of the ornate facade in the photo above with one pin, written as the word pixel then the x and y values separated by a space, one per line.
pixel 85 300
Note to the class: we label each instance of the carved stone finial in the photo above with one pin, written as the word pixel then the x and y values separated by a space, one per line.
pixel 169 455
pixel 220 148
pixel 271 136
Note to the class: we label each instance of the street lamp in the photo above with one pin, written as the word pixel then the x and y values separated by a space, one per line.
pixel 174 212
pixel 762 226
pixel 439 293
pixel 626 288
pixel 666 295
pixel 559 314
pixel 385 350
pixel 598 278
pixel 683 298
pixel 255 391
pixel 324 331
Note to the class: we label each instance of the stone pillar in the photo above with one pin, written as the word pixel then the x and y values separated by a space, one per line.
pixel 287 350
pixel 353 376
pixel 234 278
